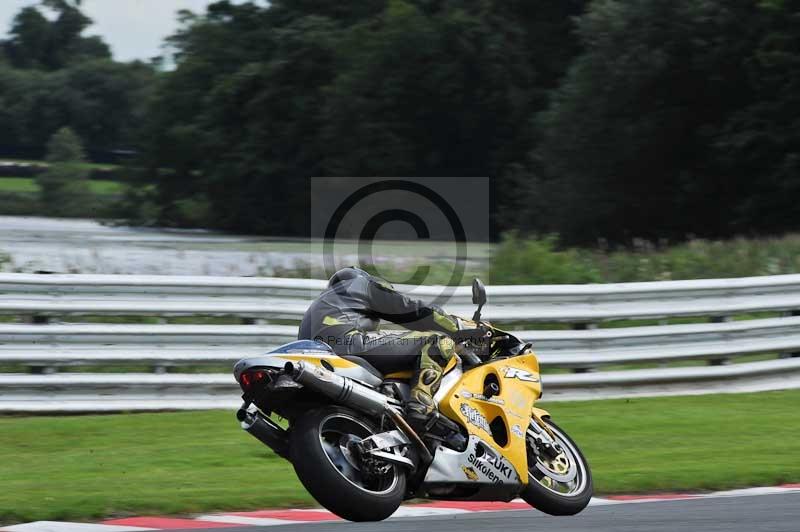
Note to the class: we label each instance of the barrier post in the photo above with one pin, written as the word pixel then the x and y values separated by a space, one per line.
pixel 790 354
pixel 585 326
pixel 720 361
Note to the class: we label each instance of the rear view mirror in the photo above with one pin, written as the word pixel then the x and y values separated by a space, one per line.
pixel 478 292
pixel 478 297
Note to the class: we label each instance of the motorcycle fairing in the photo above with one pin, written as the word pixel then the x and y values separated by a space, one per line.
pixel 477 464
pixel 501 422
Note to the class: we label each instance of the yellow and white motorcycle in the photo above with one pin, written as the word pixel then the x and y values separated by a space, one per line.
pixel 358 457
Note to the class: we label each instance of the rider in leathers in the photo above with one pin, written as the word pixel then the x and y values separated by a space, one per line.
pixel 346 316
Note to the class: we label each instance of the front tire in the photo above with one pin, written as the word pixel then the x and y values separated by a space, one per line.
pixel 321 442
pixel 559 483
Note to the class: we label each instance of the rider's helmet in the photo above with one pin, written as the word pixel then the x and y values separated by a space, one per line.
pixel 346 274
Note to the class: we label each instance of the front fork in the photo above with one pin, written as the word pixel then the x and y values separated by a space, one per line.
pixel 543 438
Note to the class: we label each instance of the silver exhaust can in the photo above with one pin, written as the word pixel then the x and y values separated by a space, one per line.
pixel 342 390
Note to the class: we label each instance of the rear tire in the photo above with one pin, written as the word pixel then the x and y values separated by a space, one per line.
pixel 557 499
pixel 324 466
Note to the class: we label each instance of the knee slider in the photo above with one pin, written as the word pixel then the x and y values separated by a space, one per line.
pixel 422 398
pixel 429 376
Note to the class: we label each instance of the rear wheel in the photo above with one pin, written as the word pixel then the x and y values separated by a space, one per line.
pixel 324 455
pixel 559 479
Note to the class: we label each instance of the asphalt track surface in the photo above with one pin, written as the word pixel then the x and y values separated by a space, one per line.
pixel 760 513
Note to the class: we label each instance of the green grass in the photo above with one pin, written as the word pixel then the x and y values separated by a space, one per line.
pixel 28 185
pixel 18 185
pixel 84 467
pixel 95 466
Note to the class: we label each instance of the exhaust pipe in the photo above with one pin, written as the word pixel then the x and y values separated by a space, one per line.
pixel 265 431
pixel 341 389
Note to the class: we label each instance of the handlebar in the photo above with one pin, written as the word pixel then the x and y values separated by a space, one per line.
pixel 480 336
pixel 481 341
pixel 479 333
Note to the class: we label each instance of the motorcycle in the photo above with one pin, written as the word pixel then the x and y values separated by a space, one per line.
pixel 340 423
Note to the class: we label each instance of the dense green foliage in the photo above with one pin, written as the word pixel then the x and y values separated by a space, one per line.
pixel 51 76
pixel 679 117
pixel 265 97
pixel 638 118
pixel 596 119
pixel 181 463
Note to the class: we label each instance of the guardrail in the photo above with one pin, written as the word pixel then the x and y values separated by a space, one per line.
pixel 45 347
pixel 122 392
pixel 271 298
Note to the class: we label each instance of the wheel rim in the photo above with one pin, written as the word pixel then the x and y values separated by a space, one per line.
pixel 565 472
pixel 337 434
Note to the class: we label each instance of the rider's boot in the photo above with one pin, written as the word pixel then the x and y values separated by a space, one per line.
pixel 421 408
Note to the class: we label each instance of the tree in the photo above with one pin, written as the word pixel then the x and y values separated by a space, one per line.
pixel 760 144
pixel 102 101
pixel 264 97
pixel 36 42
pixel 106 101
pixel 63 185
pixel 51 77
pixel 29 38
pixel 627 143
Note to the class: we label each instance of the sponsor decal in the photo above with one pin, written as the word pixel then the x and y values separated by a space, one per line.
pixel 484 468
pixel 517 431
pixel 480 397
pixel 500 465
pixel 470 473
pixel 474 417
pixel 493 468
pixel 521 374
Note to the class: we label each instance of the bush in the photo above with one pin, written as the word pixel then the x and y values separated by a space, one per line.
pixel 539 261
pixel 63 185
pixel 20 204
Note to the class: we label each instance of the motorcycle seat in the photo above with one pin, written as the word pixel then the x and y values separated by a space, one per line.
pixel 364 364
pixel 388 362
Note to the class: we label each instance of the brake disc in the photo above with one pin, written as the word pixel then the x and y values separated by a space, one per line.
pixel 560 468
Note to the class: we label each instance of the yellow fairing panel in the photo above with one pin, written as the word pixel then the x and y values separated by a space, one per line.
pixel 518 378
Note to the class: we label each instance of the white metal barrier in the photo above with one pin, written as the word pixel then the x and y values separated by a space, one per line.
pixel 47 346
pixel 273 298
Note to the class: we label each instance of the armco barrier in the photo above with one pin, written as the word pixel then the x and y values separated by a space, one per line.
pixel 39 343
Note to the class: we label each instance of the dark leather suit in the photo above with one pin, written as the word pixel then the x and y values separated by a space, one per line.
pixel 347 316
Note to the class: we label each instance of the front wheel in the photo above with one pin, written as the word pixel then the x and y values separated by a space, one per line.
pixel 559 479
pixel 325 457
